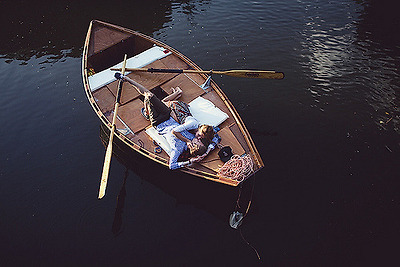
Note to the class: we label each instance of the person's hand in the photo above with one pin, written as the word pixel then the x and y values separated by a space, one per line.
pixel 202 156
pixel 191 146
pixel 195 159
pixel 119 76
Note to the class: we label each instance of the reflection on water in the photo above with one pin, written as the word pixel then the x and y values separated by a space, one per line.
pixel 119 210
pixel 190 7
pixel 349 60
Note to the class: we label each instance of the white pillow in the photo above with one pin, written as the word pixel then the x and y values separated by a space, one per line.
pixel 206 112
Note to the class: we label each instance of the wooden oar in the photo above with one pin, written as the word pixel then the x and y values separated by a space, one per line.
pixel 107 160
pixel 262 74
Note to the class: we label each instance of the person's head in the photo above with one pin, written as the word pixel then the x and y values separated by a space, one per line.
pixel 206 133
pixel 196 147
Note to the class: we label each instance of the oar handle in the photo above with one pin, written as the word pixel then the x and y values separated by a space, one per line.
pixel 152 70
pixel 165 70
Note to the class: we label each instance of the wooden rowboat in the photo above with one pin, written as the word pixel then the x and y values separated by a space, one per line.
pixel 104 49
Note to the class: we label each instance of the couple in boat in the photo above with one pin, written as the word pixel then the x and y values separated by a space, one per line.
pixel 187 148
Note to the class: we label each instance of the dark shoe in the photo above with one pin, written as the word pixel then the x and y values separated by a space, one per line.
pixel 143 111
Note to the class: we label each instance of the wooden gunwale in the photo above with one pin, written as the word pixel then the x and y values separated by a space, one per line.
pixel 138 148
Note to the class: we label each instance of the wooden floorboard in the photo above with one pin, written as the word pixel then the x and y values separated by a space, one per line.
pixel 174 62
pixel 105 37
pixel 190 90
pixel 105 99
pixel 239 136
pixel 131 115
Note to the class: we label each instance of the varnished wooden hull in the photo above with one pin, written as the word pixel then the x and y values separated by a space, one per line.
pixel 105 46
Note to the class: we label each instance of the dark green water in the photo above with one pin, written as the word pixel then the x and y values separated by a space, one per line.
pixel 328 134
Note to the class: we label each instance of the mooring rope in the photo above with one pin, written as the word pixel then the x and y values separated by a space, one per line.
pixel 250 245
pixel 247 166
pixel 245 214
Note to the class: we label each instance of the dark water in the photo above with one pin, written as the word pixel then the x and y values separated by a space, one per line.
pixel 328 133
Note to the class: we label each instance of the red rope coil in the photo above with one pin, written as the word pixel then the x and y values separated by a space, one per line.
pixel 237 168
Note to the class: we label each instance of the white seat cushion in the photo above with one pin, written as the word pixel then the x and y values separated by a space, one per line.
pixel 159 139
pixel 105 77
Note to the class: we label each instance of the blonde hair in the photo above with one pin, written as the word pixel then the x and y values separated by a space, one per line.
pixel 208 132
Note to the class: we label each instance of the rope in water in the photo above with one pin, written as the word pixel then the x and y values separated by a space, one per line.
pixel 237 168
pixel 245 214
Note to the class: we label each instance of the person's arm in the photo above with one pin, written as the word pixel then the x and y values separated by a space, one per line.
pixel 175 164
pixel 215 141
pixel 180 136
pixel 178 132
pixel 142 90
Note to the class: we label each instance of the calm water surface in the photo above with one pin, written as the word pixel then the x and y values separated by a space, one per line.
pixel 328 133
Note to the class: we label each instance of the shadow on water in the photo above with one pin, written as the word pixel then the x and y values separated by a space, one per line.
pixel 217 199
pixel 117 222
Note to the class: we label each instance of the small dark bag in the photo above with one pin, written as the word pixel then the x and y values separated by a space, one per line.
pixel 225 153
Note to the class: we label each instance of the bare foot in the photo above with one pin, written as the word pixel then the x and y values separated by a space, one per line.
pixel 178 89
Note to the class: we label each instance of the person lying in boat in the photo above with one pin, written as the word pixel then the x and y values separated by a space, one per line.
pixel 159 117
pixel 181 113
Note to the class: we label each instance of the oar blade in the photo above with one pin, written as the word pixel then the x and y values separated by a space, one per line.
pixel 258 74
pixel 106 169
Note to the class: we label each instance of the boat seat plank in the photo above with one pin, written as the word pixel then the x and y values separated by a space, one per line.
pixel 130 112
pixel 212 160
pixel 118 124
pixel 106 75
